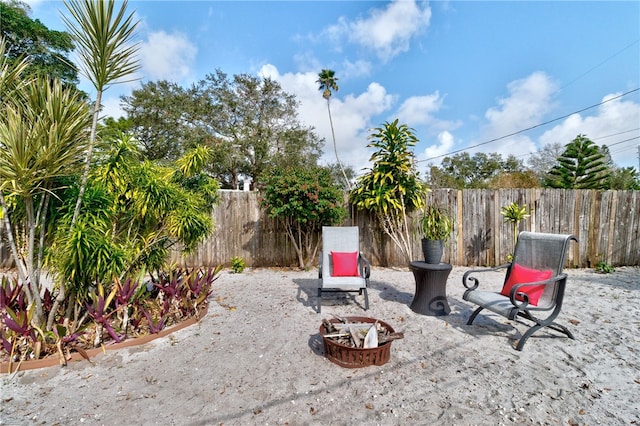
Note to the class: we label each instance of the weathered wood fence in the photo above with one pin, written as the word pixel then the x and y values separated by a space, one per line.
pixel 607 225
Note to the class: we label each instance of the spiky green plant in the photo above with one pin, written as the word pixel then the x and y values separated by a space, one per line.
pixel 514 214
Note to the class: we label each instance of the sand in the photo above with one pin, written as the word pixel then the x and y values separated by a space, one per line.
pixel 257 358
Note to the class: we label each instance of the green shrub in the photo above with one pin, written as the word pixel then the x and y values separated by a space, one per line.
pixel 604 268
pixel 237 264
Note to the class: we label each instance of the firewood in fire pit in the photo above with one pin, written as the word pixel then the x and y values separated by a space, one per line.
pixel 354 334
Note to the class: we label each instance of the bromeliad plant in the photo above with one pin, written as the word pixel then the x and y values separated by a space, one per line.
pixel 129 309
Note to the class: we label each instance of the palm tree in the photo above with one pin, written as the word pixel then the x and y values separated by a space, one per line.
pixel 103 40
pixel 328 82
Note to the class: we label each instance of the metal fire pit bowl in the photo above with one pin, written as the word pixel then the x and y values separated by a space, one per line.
pixel 350 357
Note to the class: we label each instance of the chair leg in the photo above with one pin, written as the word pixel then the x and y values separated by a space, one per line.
pixel 554 326
pixel 366 299
pixel 526 335
pixel 319 299
pixel 474 315
pixel 562 329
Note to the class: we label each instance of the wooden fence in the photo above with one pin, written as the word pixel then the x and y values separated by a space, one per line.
pixel 607 225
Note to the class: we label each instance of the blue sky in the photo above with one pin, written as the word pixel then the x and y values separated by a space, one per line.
pixel 460 73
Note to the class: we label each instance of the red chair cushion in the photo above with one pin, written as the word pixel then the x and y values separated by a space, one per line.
pixel 519 275
pixel 345 264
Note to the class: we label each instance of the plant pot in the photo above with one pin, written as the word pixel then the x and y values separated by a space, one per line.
pixel 432 250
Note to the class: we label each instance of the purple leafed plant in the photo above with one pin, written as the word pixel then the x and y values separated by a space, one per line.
pixel 12 296
pixel 125 292
pixel 97 312
pixel 19 323
pixel 154 327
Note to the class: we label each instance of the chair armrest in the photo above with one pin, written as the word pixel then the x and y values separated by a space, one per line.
pixel 471 283
pixel 524 303
pixel 364 266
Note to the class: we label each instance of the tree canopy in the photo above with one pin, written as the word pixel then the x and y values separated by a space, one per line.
pixel 46 50
pixel 581 166
pixel 303 199
pixel 249 123
pixel 472 171
pixel 392 187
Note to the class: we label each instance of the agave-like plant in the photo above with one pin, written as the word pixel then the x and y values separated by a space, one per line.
pixel 514 214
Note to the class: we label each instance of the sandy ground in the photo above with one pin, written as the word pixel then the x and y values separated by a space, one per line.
pixel 257 358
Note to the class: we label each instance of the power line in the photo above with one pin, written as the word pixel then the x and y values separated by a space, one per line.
pixel 529 128
pixel 600 64
pixel 615 134
pixel 593 139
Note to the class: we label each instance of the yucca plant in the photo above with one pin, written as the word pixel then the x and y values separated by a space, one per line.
pixel 103 38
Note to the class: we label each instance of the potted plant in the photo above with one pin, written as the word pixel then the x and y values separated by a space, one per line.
pixel 434 226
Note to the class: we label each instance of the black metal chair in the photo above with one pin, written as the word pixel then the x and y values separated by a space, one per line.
pixel 534 284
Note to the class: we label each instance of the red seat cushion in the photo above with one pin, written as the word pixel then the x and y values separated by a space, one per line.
pixel 345 264
pixel 519 275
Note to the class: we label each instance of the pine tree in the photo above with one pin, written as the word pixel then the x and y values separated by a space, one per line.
pixel 581 166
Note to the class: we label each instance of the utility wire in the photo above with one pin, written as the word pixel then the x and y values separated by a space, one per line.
pixel 593 139
pixel 600 64
pixel 529 128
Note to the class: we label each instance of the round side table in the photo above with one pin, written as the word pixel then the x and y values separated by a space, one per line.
pixel 431 288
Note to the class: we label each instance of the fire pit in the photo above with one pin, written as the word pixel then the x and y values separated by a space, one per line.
pixel 355 357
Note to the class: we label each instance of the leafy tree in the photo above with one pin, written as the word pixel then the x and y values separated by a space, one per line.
pixel 158 113
pixel 524 179
pixel 581 166
pixel 303 199
pixel 624 178
pixel 249 123
pixel 111 129
pixel 43 134
pixel 134 212
pixel 543 161
pixel 477 171
pixel 103 37
pixel 392 187
pixel 328 82
pixel 338 177
pixel 254 123
pixel 45 49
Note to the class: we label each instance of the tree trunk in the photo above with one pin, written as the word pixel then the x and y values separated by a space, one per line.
pixel 85 173
pixel 335 147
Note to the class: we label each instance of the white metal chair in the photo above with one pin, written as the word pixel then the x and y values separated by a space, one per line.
pixel 342 267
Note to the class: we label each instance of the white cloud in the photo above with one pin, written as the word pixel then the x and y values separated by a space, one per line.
pixel 355 69
pixel 386 31
pixel 352 114
pixel 421 111
pixel 614 122
pixel 527 103
pixel 166 56
pixel 445 145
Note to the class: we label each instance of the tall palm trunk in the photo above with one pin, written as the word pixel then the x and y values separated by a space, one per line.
pixel 335 148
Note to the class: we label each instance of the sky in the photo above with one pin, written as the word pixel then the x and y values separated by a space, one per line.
pixel 468 76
